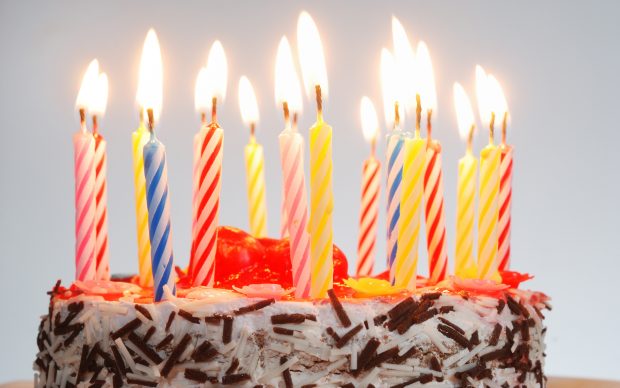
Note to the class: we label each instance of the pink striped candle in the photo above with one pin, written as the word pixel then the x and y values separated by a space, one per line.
pixel 85 237
pixel 101 206
pixel 505 204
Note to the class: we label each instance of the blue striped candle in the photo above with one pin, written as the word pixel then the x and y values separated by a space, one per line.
pixel 162 258
pixel 395 152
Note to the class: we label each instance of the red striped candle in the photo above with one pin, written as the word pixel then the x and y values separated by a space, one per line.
pixel 505 205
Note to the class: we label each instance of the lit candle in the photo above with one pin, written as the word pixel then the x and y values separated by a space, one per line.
pixel 208 144
pixel 465 265
pixel 395 78
pixel 371 176
pixel 97 109
pixel 321 164
pixel 488 206
pixel 84 157
pixel 433 176
pixel 295 203
pixel 254 161
pixel 505 182
pixel 156 172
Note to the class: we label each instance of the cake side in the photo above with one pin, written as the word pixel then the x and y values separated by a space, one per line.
pixel 445 337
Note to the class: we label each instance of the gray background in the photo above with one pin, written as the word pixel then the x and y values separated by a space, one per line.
pixel 558 63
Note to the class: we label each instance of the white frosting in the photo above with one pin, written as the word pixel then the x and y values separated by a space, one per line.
pixel 311 354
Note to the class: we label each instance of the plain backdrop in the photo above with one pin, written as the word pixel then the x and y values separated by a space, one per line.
pixel 558 63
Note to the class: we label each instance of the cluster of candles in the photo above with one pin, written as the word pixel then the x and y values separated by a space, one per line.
pixel 414 173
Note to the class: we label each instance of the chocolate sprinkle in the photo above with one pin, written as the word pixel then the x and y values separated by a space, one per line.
pixel 196 375
pixel 286 374
pixel 204 352
pixel 435 365
pixel 188 316
pixel 348 385
pixel 162 344
pixel 451 333
pixel 234 364
pixel 332 333
pixel 129 327
pixel 118 361
pixel 227 332
pixel 144 348
pixel 446 309
pixel 144 311
pixel 254 307
pixel 379 319
pixel 475 338
pixel 311 317
pixel 170 319
pixel 402 306
pixel 400 359
pixel 145 383
pixel 283 331
pixel 431 296
pixel 174 356
pixel 340 312
pixel 234 379
pixel 500 305
pixel 348 335
pixel 382 357
pixel 281 319
pixel 149 334
pixel 497 331
pixel 452 325
pixel 367 353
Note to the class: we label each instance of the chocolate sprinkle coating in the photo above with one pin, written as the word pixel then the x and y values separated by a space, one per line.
pixel 129 327
pixel 227 332
pixel 497 331
pixel 234 364
pixel 332 333
pixel 340 312
pixel 283 331
pixel 451 333
pixel 170 319
pixel 286 374
pixel 144 348
pixel 189 317
pixel 162 344
pixel 176 353
pixel 234 379
pixel 348 335
pixel 143 311
pixel 196 375
pixel 281 319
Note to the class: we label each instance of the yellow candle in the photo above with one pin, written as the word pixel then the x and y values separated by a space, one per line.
pixel 139 138
pixel 488 211
pixel 321 208
pixel 465 265
pixel 410 212
pixel 254 161
pixel 255 174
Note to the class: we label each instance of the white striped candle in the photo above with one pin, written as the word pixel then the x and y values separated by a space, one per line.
pixel 101 207
pixel 369 216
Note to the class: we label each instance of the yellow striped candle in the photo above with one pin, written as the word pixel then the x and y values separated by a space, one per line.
pixel 465 265
pixel 138 139
pixel 488 211
pixel 254 161
pixel 321 208
pixel 410 212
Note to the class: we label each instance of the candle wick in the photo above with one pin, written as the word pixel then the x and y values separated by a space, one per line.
pixel 470 139
pixel 141 117
pixel 203 118
pixel 373 147
pixel 492 128
pixel 504 125
pixel 214 110
pixel 429 126
pixel 82 119
pixel 151 121
pixel 319 101
pixel 287 115
pixel 418 115
pixel 95 125
pixel 252 132
pixel 295 116
pixel 396 115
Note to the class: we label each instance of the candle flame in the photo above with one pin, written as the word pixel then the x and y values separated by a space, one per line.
pixel 390 88
pixel 88 86
pixel 201 99
pixel 370 123
pixel 483 95
pixel 464 111
pixel 311 55
pixel 99 100
pixel 500 106
pixel 287 83
pixel 405 62
pixel 247 102
pixel 426 79
pixel 150 83
pixel 217 74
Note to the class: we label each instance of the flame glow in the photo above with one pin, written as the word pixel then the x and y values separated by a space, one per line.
pixel 464 111
pixel 99 99
pixel 217 74
pixel 389 88
pixel 500 106
pixel 150 83
pixel 405 65
pixel 311 55
pixel 247 102
pixel 426 79
pixel 201 99
pixel 287 87
pixel 88 86
pixel 370 123
pixel 483 95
